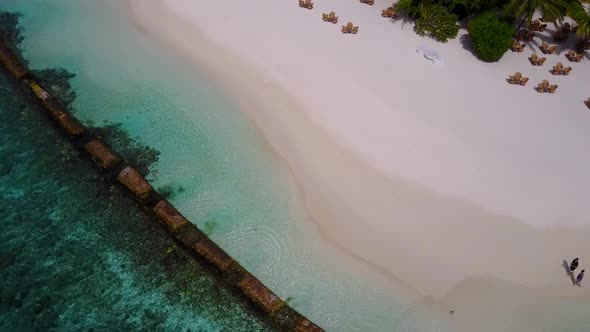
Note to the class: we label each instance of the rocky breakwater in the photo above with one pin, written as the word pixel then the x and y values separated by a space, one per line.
pixel 114 166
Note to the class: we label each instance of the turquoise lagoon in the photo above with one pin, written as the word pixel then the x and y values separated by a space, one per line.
pixel 77 254
pixel 219 171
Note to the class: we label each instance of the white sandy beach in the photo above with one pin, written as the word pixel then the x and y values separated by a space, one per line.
pixel 446 179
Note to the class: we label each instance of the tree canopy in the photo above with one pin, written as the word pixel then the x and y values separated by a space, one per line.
pixel 551 9
pixel 582 17
pixel 491 37
pixel 437 22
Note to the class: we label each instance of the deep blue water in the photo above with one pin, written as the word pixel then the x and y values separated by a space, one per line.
pixel 76 254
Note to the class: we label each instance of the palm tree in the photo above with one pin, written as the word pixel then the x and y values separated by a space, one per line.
pixel 582 16
pixel 551 9
pixel 413 8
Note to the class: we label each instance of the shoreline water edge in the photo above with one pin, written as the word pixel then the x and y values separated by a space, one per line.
pixel 444 251
pixel 116 168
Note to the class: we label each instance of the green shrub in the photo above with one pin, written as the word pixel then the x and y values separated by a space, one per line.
pixel 491 37
pixel 437 22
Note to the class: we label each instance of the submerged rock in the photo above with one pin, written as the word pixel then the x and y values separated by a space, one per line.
pixel 5 169
pixel 213 254
pixel 141 156
pixel 170 216
pixel 101 154
pixel 260 294
pixel 7 260
pixel 130 178
pixel 58 81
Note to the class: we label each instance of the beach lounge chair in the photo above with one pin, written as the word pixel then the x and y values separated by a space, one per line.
pixel 544 47
pixel 517 47
pixel 534 59
pixel 308 4
pixel 552 88
pixel 349 28
pixel 389 12
pixel 332 18
pixel 523 81
pixel 559 66
pixel 566 70
pixel 557 69
pixel 368 2
pixel 571 55
pixel 543 86
pixel 515 79
pixel 541 61
pixel 537 26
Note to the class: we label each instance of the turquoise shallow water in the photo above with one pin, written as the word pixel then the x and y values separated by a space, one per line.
pixel 219 171
pixel 77 255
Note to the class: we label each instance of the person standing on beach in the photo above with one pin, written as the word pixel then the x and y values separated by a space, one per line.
pixel 580 277
pixel 574 264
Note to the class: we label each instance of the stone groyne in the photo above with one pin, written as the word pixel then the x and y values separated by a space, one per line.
pixel 115 168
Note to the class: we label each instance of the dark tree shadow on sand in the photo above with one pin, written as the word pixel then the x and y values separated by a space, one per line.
pixel 468 45
pixel 563 46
